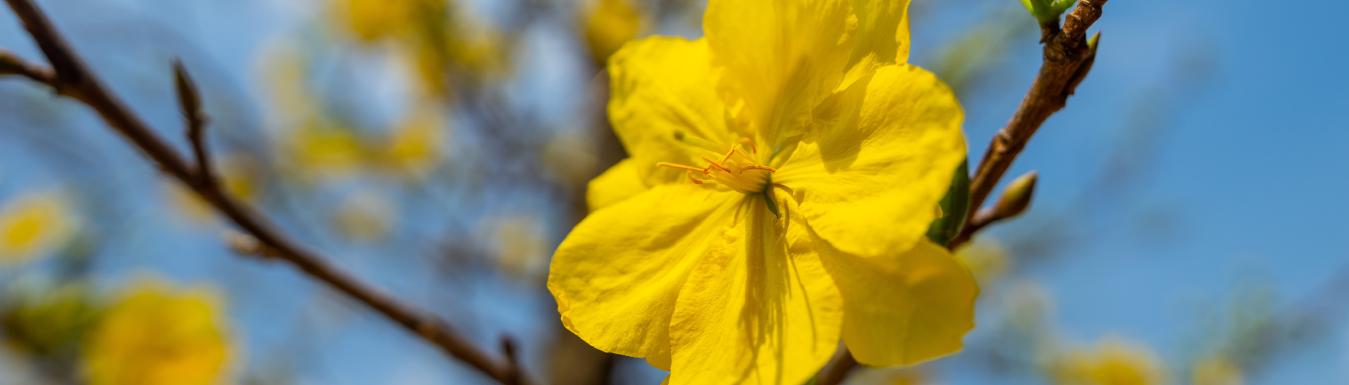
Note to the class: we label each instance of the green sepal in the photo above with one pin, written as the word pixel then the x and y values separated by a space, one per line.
pixel 772 204
pixel 955 206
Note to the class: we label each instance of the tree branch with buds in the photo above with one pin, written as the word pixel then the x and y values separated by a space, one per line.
pixel 70 77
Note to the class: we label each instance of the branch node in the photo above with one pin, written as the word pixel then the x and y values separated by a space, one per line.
pixel 244 244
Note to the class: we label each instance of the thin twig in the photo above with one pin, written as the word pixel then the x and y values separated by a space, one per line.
pixel 189 102
pixel 72 78
pixel 1067 59
pixel 13 65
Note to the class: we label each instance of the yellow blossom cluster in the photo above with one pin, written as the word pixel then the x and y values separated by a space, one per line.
pixel 156 335
pixel 315 144
pixel 1111 362
pixel 431 34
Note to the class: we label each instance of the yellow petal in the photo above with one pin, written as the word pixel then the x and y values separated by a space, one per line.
pixel 868 177
pixel 882 30
pixel 622 181
pixel 781 57
pixel 752 312
pixel 664 107
pixel 616 276
pixel 910 308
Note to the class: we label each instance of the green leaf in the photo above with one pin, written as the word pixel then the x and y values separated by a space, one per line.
pixel 1047 10
pixel 955 206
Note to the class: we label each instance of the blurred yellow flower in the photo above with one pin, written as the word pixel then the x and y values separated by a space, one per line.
pixel 1028 307
pixel 985 257
pixel 607 24
pixel 781 181
pixel 324 150
pixel 34 224
pixel 1216 370
pixel 310 142
pixel 1111 362
pixel 364 216
pixel 478 50
pixel 370 21
pixel 571 157
pixel 520 244
pixel 283 72
pixel 155 335
pixel 431 34
pixel 414 145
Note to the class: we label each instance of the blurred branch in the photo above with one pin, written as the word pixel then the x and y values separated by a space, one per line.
pixel 837 369
pixel 1068 57
pixel 13 65
pixel 70 77
pixel 189 102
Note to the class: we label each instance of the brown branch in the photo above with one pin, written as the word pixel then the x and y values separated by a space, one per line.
pixel 837 369
pixel 72 78
pixel 1067 60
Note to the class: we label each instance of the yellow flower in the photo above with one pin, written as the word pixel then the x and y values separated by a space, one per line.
pixel 155 335
pixel 1110 362
pixel 570 156
pixel 519 242
pixel 782 175
pixel 607 24
pixel 364 216
pixel 370 21
pixel 322 150
pixel 985 257
pixel 34 224
pixel 1216 370
pixel 414 146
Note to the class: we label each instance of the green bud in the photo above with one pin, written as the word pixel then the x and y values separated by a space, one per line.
pixel 1017 197
pixel 189 100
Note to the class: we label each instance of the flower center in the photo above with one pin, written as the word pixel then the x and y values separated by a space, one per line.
pixel 736 170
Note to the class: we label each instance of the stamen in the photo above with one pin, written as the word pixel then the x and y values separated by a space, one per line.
pixel 681 167
pixel 712 163
pixel 736 170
